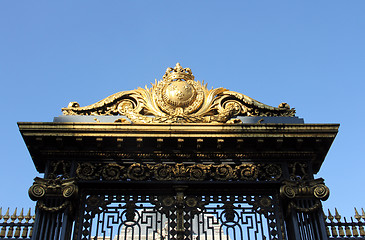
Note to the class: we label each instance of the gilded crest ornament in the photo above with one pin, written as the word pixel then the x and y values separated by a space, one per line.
pixel 178 98
pixel 178 94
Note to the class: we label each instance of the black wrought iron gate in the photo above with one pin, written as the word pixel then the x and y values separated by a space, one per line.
pixel 179 162
pixel 138 201
pixel 179 212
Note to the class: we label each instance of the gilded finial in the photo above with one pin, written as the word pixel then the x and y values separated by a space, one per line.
pixel 21 215
pixel 284 105
pixel 6 216
pixel 14 216
pixel 337 215
pixel 330 217
pixel 28 216
pixel 178 67
pixel 357 215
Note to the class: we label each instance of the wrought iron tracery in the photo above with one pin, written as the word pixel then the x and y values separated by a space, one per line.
pixel 189 217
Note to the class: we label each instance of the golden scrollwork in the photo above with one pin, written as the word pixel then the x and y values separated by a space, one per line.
pixel 138 171
pixel 41 205
pixel 87 171
pixel 297 191
pixel 42 188
pixel 178 98
pixel 179 171
pixel 52 187
pixel 247 171
pixel 316 205
pixel 305 189
pixel 112 171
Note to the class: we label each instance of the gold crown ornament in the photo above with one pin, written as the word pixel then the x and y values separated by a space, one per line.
pixel 178 73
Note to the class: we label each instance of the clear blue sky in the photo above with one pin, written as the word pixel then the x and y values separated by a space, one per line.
pixel 310 54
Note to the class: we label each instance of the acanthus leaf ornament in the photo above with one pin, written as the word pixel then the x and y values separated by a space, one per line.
pixel 178 98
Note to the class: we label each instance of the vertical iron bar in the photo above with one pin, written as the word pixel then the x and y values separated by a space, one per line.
pixel 97 225
pixel 48 220
pixel 322 226
pixel 304 220
pixel 64 228
pixel 314 223
pixel 53 220
pixel 293 226
pixel 79 218
pixel 309 224
pixel 58 225
pixel 41 227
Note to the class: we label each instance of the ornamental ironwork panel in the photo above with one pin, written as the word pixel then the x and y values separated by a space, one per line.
pixel 178 216
pixel 237 217
pixel 121 217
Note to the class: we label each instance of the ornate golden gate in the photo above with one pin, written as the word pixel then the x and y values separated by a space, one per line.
pixel 178 161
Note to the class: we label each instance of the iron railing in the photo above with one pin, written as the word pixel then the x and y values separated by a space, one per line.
pixel 20 226
pixel 338 228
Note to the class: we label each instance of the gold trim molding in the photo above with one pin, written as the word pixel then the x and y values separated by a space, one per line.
pixel 178 98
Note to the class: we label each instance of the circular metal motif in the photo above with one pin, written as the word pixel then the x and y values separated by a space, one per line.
pixel 69 191
pixel 168 201
pixel 126 106
pixel 36 191
pixel 321 191
pixel 179 94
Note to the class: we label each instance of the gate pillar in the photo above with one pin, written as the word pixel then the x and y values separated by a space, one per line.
pixel 57 198
pixel 303 209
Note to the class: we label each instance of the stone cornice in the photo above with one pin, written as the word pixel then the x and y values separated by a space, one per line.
pixel 117 141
